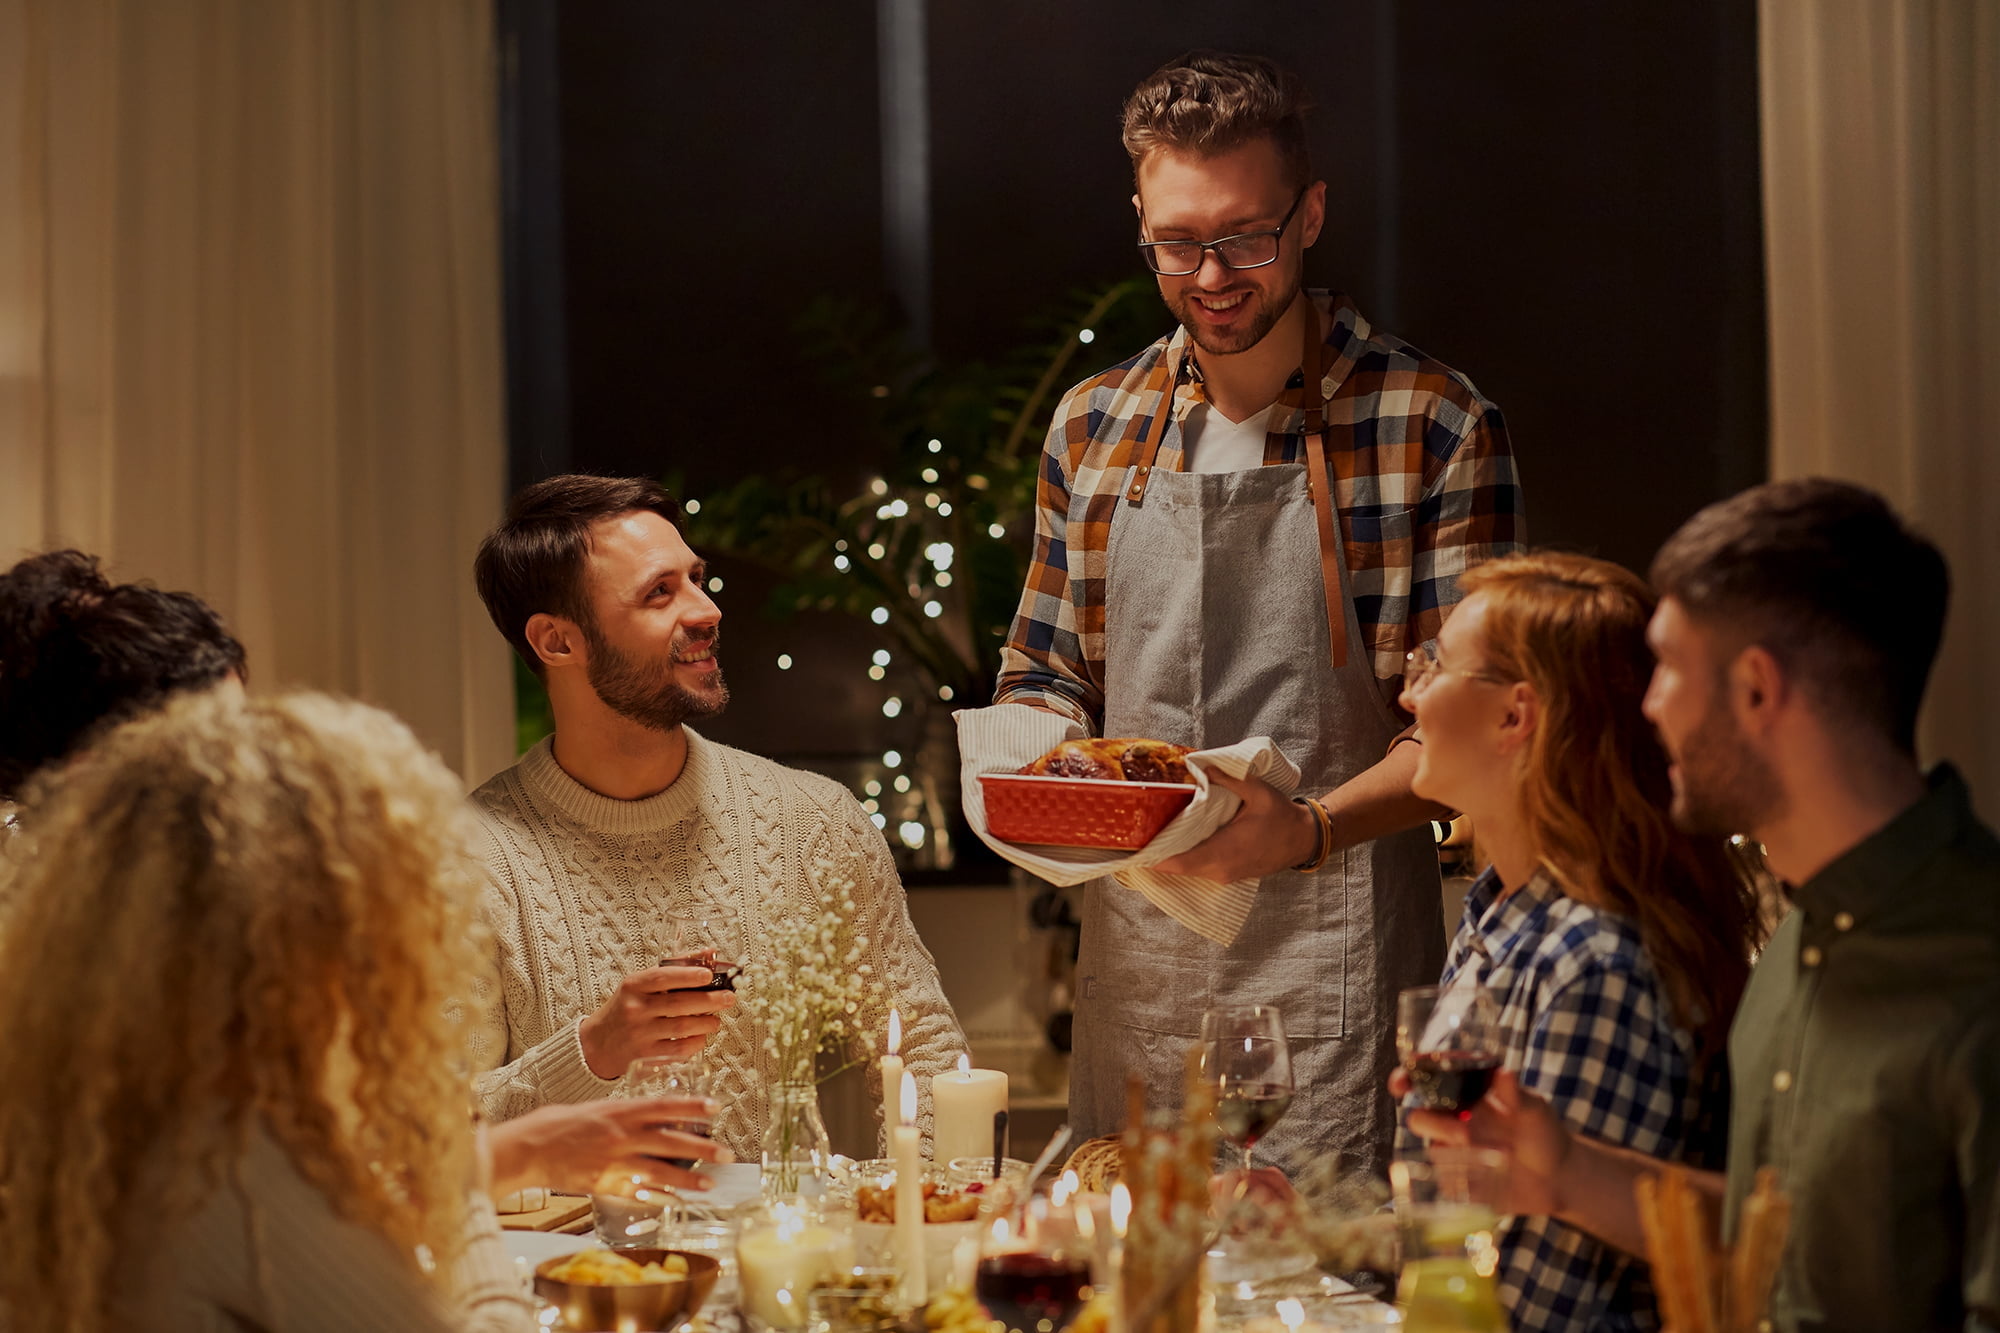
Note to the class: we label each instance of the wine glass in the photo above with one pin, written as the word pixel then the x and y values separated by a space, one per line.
pixel 1244 1054
pixel 1034 1268
pixel 1450 1041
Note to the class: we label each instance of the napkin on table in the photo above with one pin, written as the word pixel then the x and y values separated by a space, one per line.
pixel 1007 737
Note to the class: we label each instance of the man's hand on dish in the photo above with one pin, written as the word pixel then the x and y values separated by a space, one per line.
pixel 1270 832
pixel 568 1147
pixel 654 1012
pixel 1516 1122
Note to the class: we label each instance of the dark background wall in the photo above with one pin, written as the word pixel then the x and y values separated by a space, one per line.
pixel 1560 199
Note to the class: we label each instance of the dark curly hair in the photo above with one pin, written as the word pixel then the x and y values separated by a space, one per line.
pixel 79 653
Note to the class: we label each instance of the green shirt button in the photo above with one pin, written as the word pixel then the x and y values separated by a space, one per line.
pixel 1782 1080
pixel 1810 955
pixel 1843 921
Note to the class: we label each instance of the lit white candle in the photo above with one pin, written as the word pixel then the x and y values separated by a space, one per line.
pixel 1121 1209
pixel 892 1075
pixel 963 1104
pixel 910 1198
pixel 780 1262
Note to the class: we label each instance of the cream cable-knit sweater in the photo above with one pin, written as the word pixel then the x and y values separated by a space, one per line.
pixel 584 890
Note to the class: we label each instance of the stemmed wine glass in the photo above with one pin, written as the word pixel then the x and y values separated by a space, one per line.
pixel 1244 1054
pixel 1450 1041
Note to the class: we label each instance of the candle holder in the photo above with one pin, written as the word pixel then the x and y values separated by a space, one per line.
pixel 784 1250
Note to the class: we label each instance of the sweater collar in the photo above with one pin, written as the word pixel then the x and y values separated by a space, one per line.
pixel 548 784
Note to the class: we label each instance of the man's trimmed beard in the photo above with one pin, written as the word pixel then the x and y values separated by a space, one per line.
pixel 1267 311
pixel 646 692
pixel 1725 787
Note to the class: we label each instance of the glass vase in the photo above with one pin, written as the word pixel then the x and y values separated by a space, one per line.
pixel 796 1150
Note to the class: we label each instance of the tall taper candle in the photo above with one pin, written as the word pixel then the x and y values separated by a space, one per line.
pixel 892 1077
pixel 910 1198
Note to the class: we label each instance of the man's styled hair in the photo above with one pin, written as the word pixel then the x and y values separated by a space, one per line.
pixel 80 654
pixel 1210 102
pixel 1825 577
pixel 534 561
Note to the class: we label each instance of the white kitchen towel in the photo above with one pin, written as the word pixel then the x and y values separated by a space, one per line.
pixel 1007 737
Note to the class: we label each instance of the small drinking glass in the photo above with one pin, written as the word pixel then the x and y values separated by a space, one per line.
pixel 713 942
pixel 1451 1043
pixel 1447 1218
pixel 628 1213
pixel 1245 1055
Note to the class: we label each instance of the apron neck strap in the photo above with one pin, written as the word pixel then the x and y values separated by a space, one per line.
pixel 1320 485
pixel 1156 430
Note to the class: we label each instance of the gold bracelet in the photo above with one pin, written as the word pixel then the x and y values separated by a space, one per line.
pixel 1324 850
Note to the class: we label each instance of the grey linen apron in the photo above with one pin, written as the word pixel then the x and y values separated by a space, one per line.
pixel 1216 630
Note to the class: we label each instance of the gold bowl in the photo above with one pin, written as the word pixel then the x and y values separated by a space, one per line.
pixel 646 1306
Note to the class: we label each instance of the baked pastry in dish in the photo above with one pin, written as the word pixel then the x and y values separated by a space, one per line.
pixel 1115 759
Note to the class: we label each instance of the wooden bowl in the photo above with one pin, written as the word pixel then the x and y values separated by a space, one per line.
pixel 649 1305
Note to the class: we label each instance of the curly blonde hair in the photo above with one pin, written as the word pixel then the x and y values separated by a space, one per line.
pixel 234 908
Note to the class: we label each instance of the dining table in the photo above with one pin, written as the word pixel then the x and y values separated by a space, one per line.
pixel 1260 1294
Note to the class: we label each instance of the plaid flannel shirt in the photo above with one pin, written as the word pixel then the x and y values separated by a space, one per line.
pixel 1590 1028
pixel 1423 478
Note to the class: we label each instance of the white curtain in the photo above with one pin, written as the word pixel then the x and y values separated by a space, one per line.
pixel 250 336
pixel 1881 139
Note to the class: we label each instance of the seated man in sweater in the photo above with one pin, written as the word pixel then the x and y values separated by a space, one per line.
pixel 625 827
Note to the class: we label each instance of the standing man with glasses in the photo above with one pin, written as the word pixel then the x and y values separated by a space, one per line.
pixel 1242 531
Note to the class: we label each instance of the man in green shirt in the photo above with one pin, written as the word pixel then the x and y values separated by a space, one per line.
pixel 1797 626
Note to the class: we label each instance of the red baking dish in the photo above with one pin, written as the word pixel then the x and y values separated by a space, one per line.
pixel 1080 812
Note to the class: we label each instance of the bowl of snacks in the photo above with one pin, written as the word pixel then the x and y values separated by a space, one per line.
pixel 626 1289
pixel 950 1216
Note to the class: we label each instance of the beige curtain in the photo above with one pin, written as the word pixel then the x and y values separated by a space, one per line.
pixel 1881 138
pixel 250 329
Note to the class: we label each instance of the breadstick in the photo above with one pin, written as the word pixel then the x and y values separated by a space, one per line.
pixel 1760 1244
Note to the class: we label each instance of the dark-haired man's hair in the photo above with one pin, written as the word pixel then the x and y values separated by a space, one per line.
pixel 79 653
pixel 1826 578
pixel 534 562
pixel 1210 102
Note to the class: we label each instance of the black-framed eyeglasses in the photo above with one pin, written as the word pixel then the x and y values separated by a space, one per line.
pixel 1421 664
pixel 1250 249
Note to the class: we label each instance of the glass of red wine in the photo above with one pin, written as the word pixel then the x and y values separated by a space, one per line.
pixel 707 942
pixel 1034 1269
pixel 1451 1043
pixel 1244 1054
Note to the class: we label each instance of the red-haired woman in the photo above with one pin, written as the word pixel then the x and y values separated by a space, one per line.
pixel 1616 946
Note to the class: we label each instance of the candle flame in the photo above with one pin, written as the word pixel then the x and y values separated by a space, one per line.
pixel 1291 1312
pixel 895 1032
pixel 964 1062
pixel 1121 1208
pixel 909 1098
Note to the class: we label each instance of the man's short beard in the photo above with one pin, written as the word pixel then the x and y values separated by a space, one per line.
pixel 1237 340
pixel 1725 786
pixel 646 692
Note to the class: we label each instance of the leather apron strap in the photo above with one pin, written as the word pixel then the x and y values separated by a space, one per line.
pixel 1149 448
pixel 1318 484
